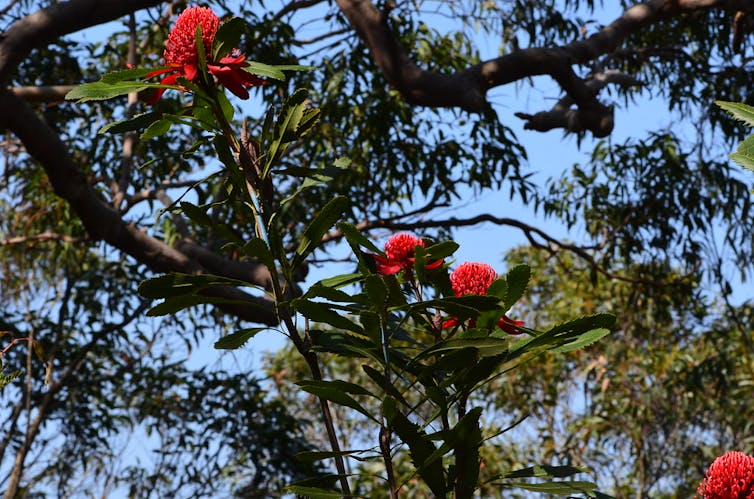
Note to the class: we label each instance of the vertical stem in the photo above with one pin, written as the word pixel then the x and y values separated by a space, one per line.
pixel 284 312
pixel 385 430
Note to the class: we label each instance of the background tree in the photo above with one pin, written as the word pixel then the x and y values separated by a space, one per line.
pixel 404 93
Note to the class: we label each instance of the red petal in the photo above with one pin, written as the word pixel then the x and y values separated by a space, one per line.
pixel 190 71
pixel 233 61
pixel 168 80
pixel 452 322
pixel 433 265
pixel 158 72
pixel 231 79
pixel 386 266
pixel 509 326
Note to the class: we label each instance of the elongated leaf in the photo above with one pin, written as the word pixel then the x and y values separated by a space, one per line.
pixel 583 340
pixel 257 248
pixel 227 37
pixel 323 221
pixel 175 304
pixel 100 90
pixel 381 381
pixel 744 154
pixel 274 72
pixel 336 395
pixel 517 280
pixel 545 471
pixel 310 456
pixel 176 284
pixel 337 384
pixel 739 110
pixel 356 238
pixel 556 488
pixel 441 250
pixel 237 339
pixel 420 447
pixel 312 492
pixel 157 129
pixel 320 312
pixel 339 281
pixel 288 121
pixel 128 74
pixel 128 125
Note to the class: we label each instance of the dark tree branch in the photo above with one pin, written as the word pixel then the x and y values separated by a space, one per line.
pixel 466 89
pixel 103 222
pixel 44 26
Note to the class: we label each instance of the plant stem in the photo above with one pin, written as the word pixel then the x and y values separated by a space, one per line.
pixel 303 346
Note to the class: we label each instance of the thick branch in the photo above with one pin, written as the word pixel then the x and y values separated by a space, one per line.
pixel 44 26
pixel 467 88
pixel 103 222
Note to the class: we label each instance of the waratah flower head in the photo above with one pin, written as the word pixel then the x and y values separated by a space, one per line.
pixel 180 49
pixel 731 476
pixel 400 248
pixel 472 278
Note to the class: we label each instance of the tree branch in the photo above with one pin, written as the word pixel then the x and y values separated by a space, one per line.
pixel 46 25
pixel 466 89
pixel 103 222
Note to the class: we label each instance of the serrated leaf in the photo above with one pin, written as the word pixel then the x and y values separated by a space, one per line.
pixel 441 250
pixel 100 90
pixel 225 106
pixel 583 340
pixel 739 110
pixel 238 339
pixel 744 154
pixel 517 279
pixel 128 74
pixel 339 281
pixel 274 72
pixel 128 125
pixel 323 221
pixel 286 124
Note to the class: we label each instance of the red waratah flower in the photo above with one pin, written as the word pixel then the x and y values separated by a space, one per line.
pixel 472 278
pixel 399 255
pixel 731 476
pixel 182 58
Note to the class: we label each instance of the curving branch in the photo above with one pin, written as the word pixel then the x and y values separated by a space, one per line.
pixel 103 222
pixel 467 89
pixel 537 237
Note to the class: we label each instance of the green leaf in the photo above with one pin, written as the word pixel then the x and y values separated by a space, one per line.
pixel 517 279
pixel 237 339
pixel 312 492
pixel 177 284
pixel 128 74
pixel 323 221
pixel 744 154
pixel 174 304
pixel 320 312
pixel 419 445
pixel 380 380
pixel 100 90
pixel 225 106
pixel 545 471
pixel 310 456
pixel 441 250
pixel 556 488
pixel 257 248
pixel 195 213
pixel 274 72
pixel 376 291
pixel 228 37
pixel 285 131
pixel 201 56
pixel 583 340
pixel 329 390
pixel 739 110
pixel 339 281
pixel 337 384
pixel 356 238
pixel 157 129
pixel 128 125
